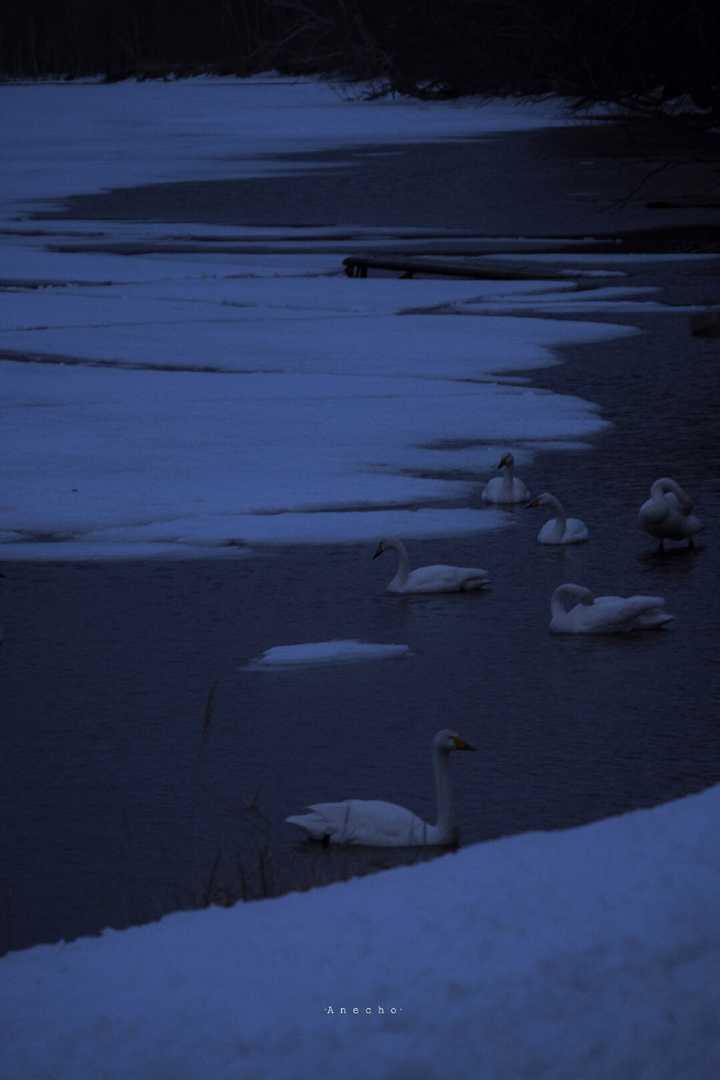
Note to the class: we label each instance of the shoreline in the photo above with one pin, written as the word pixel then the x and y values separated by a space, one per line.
pixel 130 649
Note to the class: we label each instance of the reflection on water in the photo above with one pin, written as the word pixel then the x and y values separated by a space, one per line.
pixel 115 809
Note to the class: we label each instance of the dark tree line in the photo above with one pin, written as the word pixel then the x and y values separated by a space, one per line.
pixel 637 51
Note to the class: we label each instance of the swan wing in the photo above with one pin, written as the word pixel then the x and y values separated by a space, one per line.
pixel 359 821
pixel 492 492
pixel 618 613
pixel 575 531
pixel 552 532
pixel 653 511
pixel 445 579
pixel 667 517
pixel 496 491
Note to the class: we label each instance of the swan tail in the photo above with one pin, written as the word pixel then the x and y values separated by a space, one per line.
pixel 313 824
pixel 646 612
pixel 473 583
pixel 654 618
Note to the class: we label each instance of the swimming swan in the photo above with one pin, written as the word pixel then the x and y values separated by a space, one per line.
pixel 560 529
pixel 382 824
pixel 576 611
pixel 430 579
pixel 507 488
pixel 667 514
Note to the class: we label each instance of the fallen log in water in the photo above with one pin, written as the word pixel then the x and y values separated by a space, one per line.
pixel 359 265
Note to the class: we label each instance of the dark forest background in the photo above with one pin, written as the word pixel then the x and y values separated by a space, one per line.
pixel 635 52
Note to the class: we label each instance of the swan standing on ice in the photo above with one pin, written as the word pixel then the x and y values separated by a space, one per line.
pixel 576 611
pixel 560 529
pixel 430 579
pixel 507 488
pixel 667 514
pixel 382 824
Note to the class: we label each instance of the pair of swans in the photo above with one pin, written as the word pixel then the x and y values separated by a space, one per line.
pixel 440 579
pixel 382 824
pixel 509 489
pixel 575 610
pixel 667 514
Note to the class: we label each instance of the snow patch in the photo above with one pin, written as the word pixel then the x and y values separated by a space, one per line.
pixel 324 652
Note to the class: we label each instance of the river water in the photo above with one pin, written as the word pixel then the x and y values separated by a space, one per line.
pixel 144 770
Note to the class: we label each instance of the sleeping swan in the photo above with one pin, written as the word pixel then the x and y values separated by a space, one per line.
pixel 430 579
pixel 667 514
pixel 560 529
pixel 507 488
pixel 382 824
pixel 576 611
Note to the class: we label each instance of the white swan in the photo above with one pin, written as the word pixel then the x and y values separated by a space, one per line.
pixel 507 488
pixel 560 529
pixel 382 824
pixel 430 579
pixel 576 611
pixel 667 514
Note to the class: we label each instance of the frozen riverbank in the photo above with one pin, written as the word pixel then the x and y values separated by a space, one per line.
pixel 124 815
pixel 195 398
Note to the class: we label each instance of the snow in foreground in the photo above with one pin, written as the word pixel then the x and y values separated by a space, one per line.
pixel 325 652
pixel 578 955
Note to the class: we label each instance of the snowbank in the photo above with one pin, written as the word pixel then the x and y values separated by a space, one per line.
pixel 577 955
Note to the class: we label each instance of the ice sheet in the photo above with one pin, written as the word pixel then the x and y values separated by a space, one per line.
pixel 324 652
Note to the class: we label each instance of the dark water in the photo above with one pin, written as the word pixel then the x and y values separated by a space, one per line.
pixel 534 183
pixel 116 809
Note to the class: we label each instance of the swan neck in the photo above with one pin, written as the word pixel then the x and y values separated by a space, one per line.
pixel 558 507
pixel 666 485
pixel 403 568
pixel 508 480
pixel 442 792
pixel 568 596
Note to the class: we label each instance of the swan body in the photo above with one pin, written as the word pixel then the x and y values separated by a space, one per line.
pixel 382 824
pixel 576 611
pixel 430 579
pixel 667 514
pixel 560 529
pixel 507 488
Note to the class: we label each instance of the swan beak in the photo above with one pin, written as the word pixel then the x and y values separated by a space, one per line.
pixel 378 551
pixel 533 502
pixel 460 744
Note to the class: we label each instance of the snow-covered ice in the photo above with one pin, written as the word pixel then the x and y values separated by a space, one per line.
pixel 578 955
pixel 180 389
pixel 340 651
pixel 63 139
pixel 217 414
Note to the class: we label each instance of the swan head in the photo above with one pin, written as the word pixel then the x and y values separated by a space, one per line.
pixel 392 543
pixel 545 499
pixel 506 460
pixel 447 741
pixel 575 594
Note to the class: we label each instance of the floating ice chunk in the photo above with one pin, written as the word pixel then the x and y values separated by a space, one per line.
pixel 324 652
